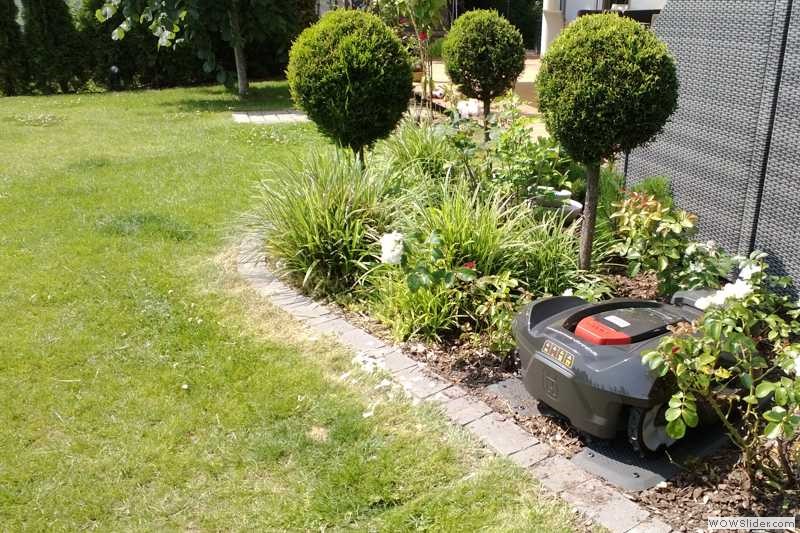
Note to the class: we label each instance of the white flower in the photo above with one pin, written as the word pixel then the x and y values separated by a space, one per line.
pixel 703 303
pixel 711 245
pixel 468 108
pixel 392 248
pixel 740 289
pixel 567 292
pixel 748 271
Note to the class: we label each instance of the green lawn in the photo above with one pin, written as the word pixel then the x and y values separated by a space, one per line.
pixel 145 388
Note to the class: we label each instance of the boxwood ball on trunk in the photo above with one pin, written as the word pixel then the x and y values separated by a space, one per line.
pixel 484 54
pixel 606 85
pixel 352 76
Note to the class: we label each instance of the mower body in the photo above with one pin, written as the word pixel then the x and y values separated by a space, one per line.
pixel 583 359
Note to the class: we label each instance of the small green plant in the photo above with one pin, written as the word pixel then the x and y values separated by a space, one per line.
pixel 496 300
pixel 484 55
pixel 702 265
pixel 741 359
pixel 656 186
pixel 652 236
pixel 523 165
pixel 319 221
pixel 352 76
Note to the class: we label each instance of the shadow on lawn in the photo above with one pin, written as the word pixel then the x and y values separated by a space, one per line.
pixel 262 97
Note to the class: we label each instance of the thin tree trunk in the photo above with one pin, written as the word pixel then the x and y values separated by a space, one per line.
pixel 238 50
pixel 487 108
pixel 589 215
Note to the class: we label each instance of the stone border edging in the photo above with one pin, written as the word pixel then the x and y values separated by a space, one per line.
pixel 587 494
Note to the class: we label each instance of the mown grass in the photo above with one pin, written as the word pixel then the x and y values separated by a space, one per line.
pixel 145 388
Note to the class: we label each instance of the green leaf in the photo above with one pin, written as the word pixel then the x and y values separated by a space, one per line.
pixel 772 431
pixel 776 414
pixel 747 380
pixel 673 413
pixel 781 396
pixel 413 281
pixel 764 388
pixel 663 263
pixel 466 274
pixel 449 279
pixel 691 418
pixel 676 429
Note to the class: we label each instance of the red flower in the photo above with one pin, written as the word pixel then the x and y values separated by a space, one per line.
pixel 423 36
pixel 470 265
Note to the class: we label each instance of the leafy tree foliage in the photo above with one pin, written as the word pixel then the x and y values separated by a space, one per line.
pixel 12 50
pixel 606 85
pixel 203 23
pixel 352 75
pixel 138 60
pixel 52 44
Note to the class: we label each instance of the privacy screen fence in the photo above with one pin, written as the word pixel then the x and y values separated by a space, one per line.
pixel 732 149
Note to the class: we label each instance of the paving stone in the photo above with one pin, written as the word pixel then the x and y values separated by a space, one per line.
pixel 501 434
pixel 513 393
pixel 337 327
pixel 241 118
pixel 448 394
pixel 418 383
pixel 464 410
pixel 651 525
pixel 304 310
pixel 589 497
pixel 620 514
pixel 285 298
pixel 531 455
pixel 358 339
pixel 319 320
pixel 559 474
pixel 396 361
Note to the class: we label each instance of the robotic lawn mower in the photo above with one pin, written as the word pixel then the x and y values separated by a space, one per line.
pixel 583 360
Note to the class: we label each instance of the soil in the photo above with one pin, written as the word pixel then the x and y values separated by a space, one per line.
pixel 714 486
pixel 643 285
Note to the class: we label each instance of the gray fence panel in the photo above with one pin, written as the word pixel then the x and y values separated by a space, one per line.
pixel 713 149
pixel 778 222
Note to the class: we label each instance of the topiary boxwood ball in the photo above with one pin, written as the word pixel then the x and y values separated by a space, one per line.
pixel 606 85
pixel 484 55
pixel 352 76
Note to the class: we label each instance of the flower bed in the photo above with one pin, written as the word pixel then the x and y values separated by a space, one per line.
pixel 439 241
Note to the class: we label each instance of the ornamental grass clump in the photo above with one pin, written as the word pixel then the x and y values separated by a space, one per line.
pixel 606 86
pixel 319 221
pixel 352 76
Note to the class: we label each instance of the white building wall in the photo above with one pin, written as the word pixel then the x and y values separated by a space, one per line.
pixel 558 13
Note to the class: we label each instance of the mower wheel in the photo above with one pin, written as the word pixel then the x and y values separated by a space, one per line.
pixel 647 429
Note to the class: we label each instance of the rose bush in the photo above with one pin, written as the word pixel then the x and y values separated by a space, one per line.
pixel 741 360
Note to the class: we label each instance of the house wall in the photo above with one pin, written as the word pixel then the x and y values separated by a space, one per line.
pixel 556 14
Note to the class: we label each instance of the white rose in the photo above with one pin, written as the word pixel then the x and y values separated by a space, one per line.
pixel 748 271
pixel 703 303
pixel 392 248
pixel 740 289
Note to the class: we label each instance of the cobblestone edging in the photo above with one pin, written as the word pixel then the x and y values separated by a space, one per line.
pixel 589 495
